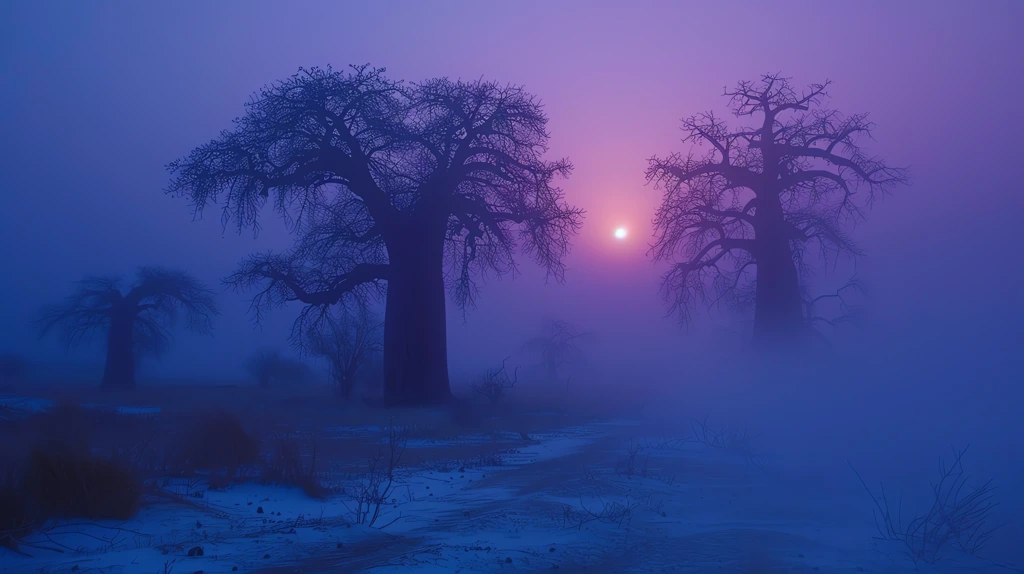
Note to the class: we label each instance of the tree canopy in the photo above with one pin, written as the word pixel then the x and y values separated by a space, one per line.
pixel 420 186
pixel 133 321
pixel 746 203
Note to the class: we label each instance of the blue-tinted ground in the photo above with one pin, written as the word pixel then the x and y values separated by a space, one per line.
pixel 517 490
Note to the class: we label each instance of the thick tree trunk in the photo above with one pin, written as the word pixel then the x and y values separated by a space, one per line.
pixel 415 325
pixel 120 366
pixel 778 311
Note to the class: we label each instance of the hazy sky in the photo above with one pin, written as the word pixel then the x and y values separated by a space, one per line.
pixel 98 96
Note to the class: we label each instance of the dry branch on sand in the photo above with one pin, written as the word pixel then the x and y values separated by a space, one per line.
pixel 729 439
pixel 378 484
pixel 957 519
pixel 617 513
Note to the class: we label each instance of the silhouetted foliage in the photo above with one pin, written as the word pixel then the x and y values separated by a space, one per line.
pixel 215 442
pixel 136 321
pixel 347 342
pixel 958 518
pixel 271 368
pixel 78 484
pixel 745 205
pixel 421 186
pixel 286 468
pixel 51 469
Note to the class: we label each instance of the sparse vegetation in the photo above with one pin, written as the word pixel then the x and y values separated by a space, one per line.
pixel 958 518
pixel 285 467
pixel 216 442
pixel 495 383
pixel 617 513
pixel 377 485
pixel 631 464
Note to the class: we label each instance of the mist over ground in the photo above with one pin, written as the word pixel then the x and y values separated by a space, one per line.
pixel 99 97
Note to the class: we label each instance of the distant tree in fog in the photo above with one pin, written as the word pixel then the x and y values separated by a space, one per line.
pixel 743 209
pixel 135 321
pixel 271 368
pixel 348 343
pixel 417 186
pixel 557 345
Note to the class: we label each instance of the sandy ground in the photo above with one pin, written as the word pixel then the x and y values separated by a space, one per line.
pixel 605 495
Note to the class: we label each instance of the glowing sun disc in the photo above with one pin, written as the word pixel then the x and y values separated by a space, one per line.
pixel 620 233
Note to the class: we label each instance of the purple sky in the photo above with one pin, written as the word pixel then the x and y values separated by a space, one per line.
pixel 98 96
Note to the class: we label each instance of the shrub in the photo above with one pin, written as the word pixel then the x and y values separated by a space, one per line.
pixel 63 483
pixel 958 518
pixel 285 468
pixel 215 442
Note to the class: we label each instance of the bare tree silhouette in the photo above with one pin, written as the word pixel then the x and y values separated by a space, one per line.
pixel 347 343
pixel 557 345
pixel 136 321
pixel 419 186
pixel 743 208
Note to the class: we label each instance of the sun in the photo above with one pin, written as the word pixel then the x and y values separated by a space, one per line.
pixel 620 233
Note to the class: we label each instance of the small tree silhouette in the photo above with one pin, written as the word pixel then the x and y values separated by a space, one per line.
pixel 136 321
pixel 557 345
pixel 347 343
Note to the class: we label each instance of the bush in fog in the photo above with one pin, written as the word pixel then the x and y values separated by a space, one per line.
pixel 64 483
pixel 285 467
pixel 216 442
pixel 132 321
pixel 271 368
pixel 347 343
pixel 60 475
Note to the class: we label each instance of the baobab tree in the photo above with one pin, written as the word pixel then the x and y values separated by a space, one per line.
pixel 416 187
pixel 135 321
pixel 741 211
pixel 347 343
